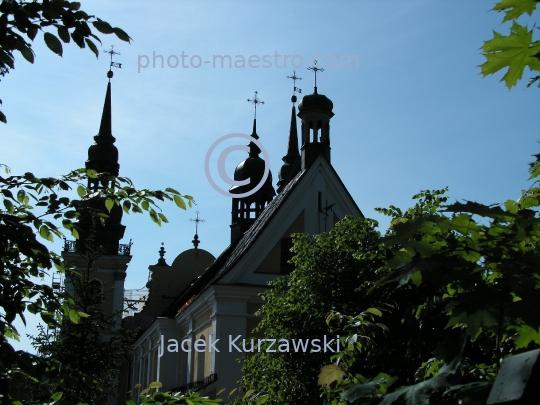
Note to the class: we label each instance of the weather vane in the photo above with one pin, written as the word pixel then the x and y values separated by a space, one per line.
pixel 295 78
pixel 316 69
pixel 195 240
pixel 112 52
pixel 255 101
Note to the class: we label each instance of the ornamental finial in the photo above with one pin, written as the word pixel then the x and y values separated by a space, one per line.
pixel 315 70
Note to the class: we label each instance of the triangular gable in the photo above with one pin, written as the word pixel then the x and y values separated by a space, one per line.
pixel 303 200
pixel 238 264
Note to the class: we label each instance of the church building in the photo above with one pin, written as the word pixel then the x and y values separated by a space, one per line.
pixel 199 308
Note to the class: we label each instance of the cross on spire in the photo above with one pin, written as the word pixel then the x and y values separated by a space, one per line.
pixel 255 101
pixel 195 240
pixel 294 79
pixel 112 52
pixel 315 69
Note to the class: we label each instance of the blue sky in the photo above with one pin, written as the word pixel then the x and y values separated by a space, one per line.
pixel 413 114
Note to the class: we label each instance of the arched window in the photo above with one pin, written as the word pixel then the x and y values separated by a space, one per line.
pixel 200 362
pixel 96 284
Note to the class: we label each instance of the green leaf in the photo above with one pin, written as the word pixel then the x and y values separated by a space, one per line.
pixel 45 233
pixel 109 204
pixel 535 172
pixel 53 43
pixel 163 217
pixel 56 396
pixel 73 316
pixel 63 33
pixel 248 393
pixel 81 191
pixel 32 32
pixel 27 53
pixel 172 190
pixel 374 311
pixel 526 335
pixel 416 278
pixel 154 217
pixel 514 51
pixel 262 399
pixel 511 206
pixel 361 390
pixel 517 8
pixel 331 373
pixel 9 206
pixel 180 202
pixel 92 46
pixel 155 384
pixel 121 34
pixel 103 26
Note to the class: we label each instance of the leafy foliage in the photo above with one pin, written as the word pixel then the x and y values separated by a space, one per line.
pixel 332 270
pixel 39 208
pixel 469 276
pixel 88 365
pixel 21 21
pixel 150 395
pixel 451 290
pixel 515 51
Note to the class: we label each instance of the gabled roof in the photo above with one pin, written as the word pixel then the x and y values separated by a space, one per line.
pixel 233 253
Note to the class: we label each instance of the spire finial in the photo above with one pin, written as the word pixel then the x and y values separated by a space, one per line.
pixel 112 64
pixel 295 89
pixel 195 240
pixel 255 101
pixel 161 261
pixel 315 70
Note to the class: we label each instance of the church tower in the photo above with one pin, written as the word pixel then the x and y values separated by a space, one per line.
pixel 315 111
pixel 98 248
pixel 247 209
pixel 291 161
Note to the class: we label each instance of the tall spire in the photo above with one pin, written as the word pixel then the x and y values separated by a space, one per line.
pixel 103 159
pixel 103 155
pixel 291 165
pixel 105 129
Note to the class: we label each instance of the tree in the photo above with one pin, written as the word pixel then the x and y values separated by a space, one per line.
pixel 21 21
pixel 516 50
pixel 331 271
pixel 77 347
pixel 37 206
pixel 471 280
pixel 457 295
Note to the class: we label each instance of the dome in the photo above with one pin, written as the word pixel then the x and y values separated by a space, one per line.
pixel 315 101
pixel 253 168
pixel 194 261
